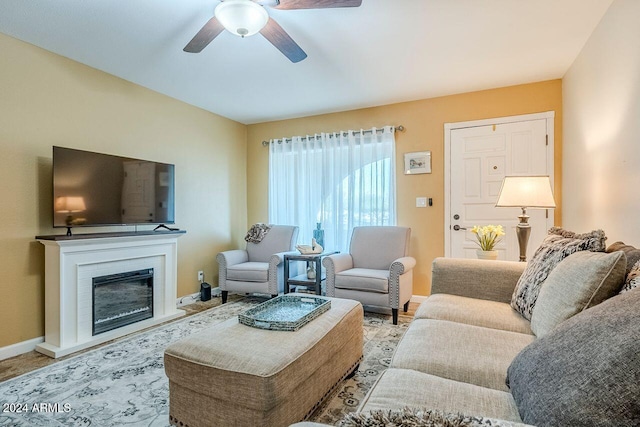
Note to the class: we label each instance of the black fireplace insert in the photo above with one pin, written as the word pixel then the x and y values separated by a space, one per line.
pixel 122 299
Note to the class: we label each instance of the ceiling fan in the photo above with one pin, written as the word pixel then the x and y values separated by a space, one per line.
pixel 247 17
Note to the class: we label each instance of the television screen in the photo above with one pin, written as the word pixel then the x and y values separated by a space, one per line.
pixel 93 189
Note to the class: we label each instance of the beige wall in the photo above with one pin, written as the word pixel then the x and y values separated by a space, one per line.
pixel 424 121
pixel 49 100
pixel 601 158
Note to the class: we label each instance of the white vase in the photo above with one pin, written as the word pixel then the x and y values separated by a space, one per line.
pixel 486 254
pixel 311 271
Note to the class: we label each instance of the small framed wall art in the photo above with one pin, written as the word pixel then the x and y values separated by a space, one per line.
pixel 417 162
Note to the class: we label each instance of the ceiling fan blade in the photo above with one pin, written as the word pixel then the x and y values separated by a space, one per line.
pixel 316 4
pixel 283 41
pixel 207 33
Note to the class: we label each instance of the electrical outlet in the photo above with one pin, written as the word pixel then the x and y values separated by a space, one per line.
pixel 200 276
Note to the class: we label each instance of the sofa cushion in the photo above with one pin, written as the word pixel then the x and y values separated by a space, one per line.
pixel 466 353
pixel 558 245
pixel 472 311
pixel 586 371
pixel 404 387
pixel 363 279
pixel 249 272
pixel 580 281
pixel 633 278
pixel 633 254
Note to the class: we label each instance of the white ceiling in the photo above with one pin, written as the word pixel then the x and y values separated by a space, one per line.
pixel 383 52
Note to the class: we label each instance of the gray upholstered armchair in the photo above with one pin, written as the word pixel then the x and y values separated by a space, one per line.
pixel 376 271
pixel 259 268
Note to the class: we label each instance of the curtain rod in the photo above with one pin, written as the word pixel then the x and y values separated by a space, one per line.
pixel 396 128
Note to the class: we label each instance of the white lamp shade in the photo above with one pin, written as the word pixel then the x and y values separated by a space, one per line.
pixel 526 192
pixel 70 204
pixel 241 17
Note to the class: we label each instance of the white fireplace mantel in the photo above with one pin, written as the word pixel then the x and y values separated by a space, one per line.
pixel 72 262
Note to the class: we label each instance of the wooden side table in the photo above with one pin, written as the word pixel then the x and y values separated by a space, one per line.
pixel 302 279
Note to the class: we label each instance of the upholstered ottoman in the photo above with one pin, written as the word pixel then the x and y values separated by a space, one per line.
pixel 236 375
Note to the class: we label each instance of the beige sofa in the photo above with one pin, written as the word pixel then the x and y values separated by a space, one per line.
pixel 457 351
pixel 455 354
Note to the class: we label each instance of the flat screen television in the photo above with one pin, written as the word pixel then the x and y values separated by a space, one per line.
pixel 93 189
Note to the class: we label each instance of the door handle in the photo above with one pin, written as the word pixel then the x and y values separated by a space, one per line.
pixel 457 227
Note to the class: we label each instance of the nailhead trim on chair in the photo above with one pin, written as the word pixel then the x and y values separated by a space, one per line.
pixel 396 270
pixel 273 274
pixel 330 282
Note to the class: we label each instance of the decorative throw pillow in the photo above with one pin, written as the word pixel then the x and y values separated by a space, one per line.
pixel 633 278
pixel 408 417
pixel 257 232
pixel 580 281
pixel 633 254
pixel 558 245
pixel 585 372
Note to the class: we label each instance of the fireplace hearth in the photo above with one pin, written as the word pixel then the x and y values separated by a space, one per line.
pixel 122 299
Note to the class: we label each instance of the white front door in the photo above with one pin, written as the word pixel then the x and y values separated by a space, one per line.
pixel 479 158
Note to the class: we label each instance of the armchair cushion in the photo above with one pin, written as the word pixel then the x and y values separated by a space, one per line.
pixel 249 272
pixel 378 247
pixel 364 279
pixel 280 238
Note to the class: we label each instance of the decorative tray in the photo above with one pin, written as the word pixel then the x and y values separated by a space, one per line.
pixel 285 312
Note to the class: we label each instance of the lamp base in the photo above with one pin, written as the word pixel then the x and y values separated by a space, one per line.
pixel 523 231
pixel 69 231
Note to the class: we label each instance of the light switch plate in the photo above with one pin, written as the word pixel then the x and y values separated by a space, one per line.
pixel 421 202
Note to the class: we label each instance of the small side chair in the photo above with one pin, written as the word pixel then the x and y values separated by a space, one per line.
pixel 259 268
pixel 377 270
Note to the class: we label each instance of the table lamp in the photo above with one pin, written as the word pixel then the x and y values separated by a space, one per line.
pixel 525 192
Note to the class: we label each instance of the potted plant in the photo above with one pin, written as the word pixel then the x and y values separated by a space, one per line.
pixel 487 237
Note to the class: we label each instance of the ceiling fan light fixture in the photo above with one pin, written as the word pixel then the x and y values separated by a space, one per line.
pixel 241 17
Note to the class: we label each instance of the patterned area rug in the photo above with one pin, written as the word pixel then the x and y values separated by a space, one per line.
pixel 124 384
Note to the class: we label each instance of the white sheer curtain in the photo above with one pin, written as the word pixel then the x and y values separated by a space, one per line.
pixel 341 180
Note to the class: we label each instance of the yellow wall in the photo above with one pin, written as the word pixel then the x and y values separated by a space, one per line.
pixel 49 100
pixel 221 166
pixel 601 92
pixel 424 121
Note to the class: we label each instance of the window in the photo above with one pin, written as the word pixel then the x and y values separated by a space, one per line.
pixel 340 180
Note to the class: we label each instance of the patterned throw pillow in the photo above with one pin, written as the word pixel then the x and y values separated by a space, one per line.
pixel 633 278
pixel 558 245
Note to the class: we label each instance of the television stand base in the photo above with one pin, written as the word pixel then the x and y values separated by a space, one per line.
pixel 165 227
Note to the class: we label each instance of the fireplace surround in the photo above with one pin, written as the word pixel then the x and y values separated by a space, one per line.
pixel 72 263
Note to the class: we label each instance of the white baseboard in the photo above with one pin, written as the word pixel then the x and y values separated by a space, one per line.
pixel 418 298
pixel 20 348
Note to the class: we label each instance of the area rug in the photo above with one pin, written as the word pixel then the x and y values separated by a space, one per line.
pixel 124 384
